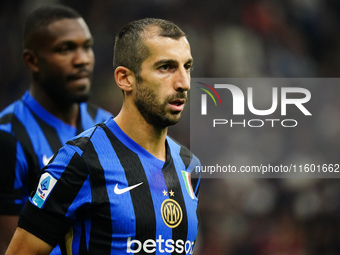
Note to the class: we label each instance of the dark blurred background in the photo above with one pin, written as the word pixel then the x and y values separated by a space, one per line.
pixel 240 39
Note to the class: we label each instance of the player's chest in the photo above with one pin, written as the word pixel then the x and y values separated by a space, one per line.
pixel 151 199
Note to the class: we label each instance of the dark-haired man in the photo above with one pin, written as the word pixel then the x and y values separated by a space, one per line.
pixel 124 186
pixel 58 53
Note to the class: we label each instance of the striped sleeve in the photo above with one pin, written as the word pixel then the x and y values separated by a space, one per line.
pixel 8 192
pixel 51 210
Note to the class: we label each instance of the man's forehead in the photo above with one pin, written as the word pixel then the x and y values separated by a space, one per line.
pixel 68 26
pixel 166 49
pixel 59 31
pixel 164 44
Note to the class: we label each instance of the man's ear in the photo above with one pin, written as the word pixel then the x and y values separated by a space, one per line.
pixel 30 60
pixel 125 78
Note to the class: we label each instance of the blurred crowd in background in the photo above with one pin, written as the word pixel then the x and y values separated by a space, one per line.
pixel 239 39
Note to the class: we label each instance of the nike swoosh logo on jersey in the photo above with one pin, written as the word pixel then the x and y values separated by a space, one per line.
pixel 119 191
pixel 45 159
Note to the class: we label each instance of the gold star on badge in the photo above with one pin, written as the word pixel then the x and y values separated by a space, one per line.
pixel 172 194
pixel 165 193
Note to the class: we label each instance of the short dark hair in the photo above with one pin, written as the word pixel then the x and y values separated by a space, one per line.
pixel 130 50
pixel 43 16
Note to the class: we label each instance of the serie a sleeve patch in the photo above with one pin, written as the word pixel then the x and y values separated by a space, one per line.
pixel 45 186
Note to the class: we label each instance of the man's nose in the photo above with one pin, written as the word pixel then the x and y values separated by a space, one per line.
pixel 83 56
pixel 182 79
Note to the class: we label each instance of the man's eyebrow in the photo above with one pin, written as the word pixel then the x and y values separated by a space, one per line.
pixel 90 40
pixel 70 41
pixel 165 61
pixel 170 62
pixel 190 61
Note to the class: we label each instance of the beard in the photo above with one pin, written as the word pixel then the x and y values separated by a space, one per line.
pixel 153 111
pixel 58 91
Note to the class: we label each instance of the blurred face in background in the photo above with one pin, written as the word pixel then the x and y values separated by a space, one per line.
pixel 64 60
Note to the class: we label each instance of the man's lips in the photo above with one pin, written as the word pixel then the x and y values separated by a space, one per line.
pixel 177 104
pixel 78 76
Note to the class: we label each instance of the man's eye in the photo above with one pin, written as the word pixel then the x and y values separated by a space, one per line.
pixel 188 67
pixel 64 49
pixel 164 67
pixel 88 46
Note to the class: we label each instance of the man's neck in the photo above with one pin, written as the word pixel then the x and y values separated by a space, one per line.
pixel 146 135
pixel 68 113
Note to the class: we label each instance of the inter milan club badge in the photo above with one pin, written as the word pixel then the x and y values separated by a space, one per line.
pixel 171 213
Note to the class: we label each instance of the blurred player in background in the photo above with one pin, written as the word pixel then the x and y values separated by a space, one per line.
pixel 124 186
pixel 58 52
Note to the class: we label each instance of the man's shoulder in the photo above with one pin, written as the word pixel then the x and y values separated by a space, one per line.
pixel 13 117
pixel 92 135
pixel 184 152
pixel 175 144
pixel 96 113
pixel 12 125
pixel 11 111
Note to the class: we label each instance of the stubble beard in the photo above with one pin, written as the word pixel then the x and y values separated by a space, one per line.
pixel 61 95
pixel 154 112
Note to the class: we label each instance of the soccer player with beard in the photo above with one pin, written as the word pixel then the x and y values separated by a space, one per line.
pixel 58 52
pixel 124 186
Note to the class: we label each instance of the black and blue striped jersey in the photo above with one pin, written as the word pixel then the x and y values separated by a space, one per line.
pixel 105 194
pixel 29 136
